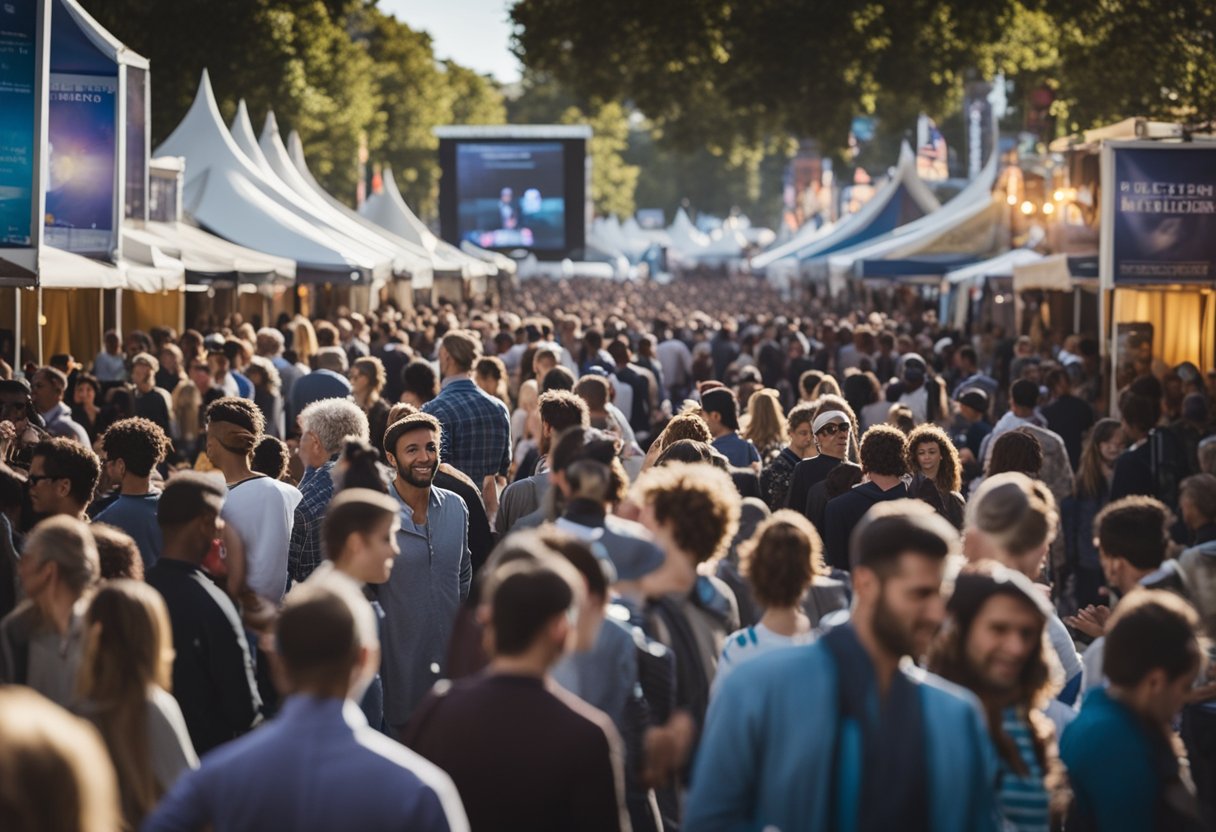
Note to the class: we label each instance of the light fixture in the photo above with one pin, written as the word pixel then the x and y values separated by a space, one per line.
pixel 1058 196
pixel 1012 199
pixel 1048 208
pixel 1028 207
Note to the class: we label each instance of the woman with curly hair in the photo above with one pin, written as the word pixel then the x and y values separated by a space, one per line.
pixel 934 462
pixel 779 561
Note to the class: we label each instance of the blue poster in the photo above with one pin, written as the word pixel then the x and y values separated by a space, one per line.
pixel 18 131
pixel 1163 225
pixel 82 160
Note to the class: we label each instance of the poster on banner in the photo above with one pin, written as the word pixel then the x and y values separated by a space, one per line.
pixel 19 133
pixel 1159 214
pixel 82 163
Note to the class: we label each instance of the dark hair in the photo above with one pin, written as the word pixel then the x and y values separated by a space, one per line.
pixel 1150 629
pixel 781 559
pixel 118 553
pixel 345 517
pixel 418 377
pixel 187 497
pixel 808 381
pixel 595 391
pixel 318 633
pixel 1024 393
pixel 1016 450
pixel 884 451
pixel 949 474
pixel 1141 412
pixel 561 409
pixel 1200 490
pixel 1135 529
pixel 841 478
pixel 237 411
pixel 558 378
pixel 90 380
pixel 892 529
pixel 524 600
pixel 362 467
pixel 580 556
pixel 138 442
pixel 67 459
pixel 684 450
pixel 859 391
pixel 723 402
pixel 413 422
pixel 968 354
pixel 270 457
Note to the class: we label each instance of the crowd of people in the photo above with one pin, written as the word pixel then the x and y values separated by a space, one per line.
pixel 606 556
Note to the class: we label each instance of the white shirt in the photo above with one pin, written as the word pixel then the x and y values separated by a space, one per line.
pixel 744 645
pixel 262 511
pixel 675 361
pixel 918 402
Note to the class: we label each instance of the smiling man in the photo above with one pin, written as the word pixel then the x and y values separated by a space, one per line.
pixel 432 574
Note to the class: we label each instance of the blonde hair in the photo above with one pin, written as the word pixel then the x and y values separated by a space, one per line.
pixel 303 340
pixel 128 649
pixel 54 772
pixel 463 347
pixel 766 426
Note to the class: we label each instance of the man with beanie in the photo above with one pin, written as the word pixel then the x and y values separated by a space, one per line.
pixel 720 410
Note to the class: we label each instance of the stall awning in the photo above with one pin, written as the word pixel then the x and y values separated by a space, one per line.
pixel 924 265
pixel 209 259
pixel 58 269
pixel 1059 273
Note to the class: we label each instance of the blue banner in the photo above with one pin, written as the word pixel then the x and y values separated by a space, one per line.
pixel 1163 224
pixel 18 129
pixel 81 132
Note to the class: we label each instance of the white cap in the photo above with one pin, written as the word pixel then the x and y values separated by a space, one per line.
pixel 827 418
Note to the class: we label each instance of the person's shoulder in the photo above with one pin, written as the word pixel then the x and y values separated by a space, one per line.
pixel 774 671
pixel 945 697
pixel 582 720
pixel 411 768
pixel 449 500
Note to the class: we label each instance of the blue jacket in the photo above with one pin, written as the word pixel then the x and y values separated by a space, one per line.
pixel 768 754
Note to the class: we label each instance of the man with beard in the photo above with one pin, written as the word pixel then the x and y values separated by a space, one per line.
pixel 993 646
pixel 559 410
pixel 889 747
pixel 432 574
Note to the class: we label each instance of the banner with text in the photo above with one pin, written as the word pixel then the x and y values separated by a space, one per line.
pixel 1161 214
pixel 81 128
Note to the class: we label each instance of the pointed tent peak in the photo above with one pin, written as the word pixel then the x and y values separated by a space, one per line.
pixel 271 125
pixel 905 153
pixel 242 134
pixel 295 146
pixel 390 184
pixel 201 125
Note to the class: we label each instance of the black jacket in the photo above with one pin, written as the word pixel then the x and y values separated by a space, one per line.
pixel 845 512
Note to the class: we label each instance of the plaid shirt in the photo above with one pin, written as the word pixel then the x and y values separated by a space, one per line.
pixel 304 553
pixel 476 429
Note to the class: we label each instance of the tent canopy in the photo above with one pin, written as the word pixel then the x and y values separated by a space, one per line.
pixel 901 200
pixel 210 259
pixel 1000 266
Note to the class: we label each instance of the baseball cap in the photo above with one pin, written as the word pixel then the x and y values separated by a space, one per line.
pixel 974 398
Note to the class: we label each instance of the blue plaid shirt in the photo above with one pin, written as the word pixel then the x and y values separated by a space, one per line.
pixel 476 429
pixel 304 553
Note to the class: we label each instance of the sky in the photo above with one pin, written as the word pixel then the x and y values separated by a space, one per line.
pixel 475 33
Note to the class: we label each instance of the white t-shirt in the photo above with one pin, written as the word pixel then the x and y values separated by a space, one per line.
pixel 262 511
pixel 744 645
pixel 918 402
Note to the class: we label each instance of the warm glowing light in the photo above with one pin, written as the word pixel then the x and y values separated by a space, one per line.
pixel 1028 207
pixel 1012 199
pixel 1048 208
pixel 1058 196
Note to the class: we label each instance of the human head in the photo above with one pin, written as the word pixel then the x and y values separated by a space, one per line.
pixel 412 445
pixel 490 374
pixel 1132 537
pixel 802 437
pixel 781 559
pixel 973 404
pixel 560 410
pixel 1012 519
pixel 1197 500
pixel 1023 397
pixel 419 382
pixel 63 475
pixel 898 555
pixel 326 639
pixel 143 370
pixel 367 375
pixel 133 446
pixel 684 426
pixel 59 557
pixel 117 553
pixel 458 352
pixel 87 389
pixel 693 509
pixel 47 387
pixel 1152 653
pixel 533 605
pixel 558 378
pixel 188 513
pixel 333 359
pixel 720 409
pixel 1140 413
pixel 596 392
pixel 55 772
pixel 807 382
pixel 234 426
pixel 831 430
pixel 324 425
pixel 1102 447
pixel 359 533
pixel 269 342
pixel 766 424
pixel 884 451
pixel 270 457
pixel 993 641
pixel 930 450
pixel 1016 450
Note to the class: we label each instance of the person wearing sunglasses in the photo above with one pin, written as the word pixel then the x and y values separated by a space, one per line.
pixel 63 475
pixel 831 431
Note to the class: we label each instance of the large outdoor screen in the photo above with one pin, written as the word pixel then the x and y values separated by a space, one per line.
pixel 510 193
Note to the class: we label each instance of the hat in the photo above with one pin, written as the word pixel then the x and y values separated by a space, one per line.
pixel 942 344
pixel 828 418
pixel 974 398
pixel 914 367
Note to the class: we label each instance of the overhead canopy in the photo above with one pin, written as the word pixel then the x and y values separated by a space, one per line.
pixel 211 259
pixel 413 258
pixel 82 46
pixel 967 225
pixel 148 268
pixel 388 210
pixel 226 193
pixel 901 200
pixel 1000 266
pixel 1059 272
pixel 58 269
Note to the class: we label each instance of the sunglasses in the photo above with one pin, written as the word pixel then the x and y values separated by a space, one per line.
pixel 833 429
pixel 34 479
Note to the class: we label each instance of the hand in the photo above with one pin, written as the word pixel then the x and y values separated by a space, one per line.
pixel 8 433
pixel 1091 620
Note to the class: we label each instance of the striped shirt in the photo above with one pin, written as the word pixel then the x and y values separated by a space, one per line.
pixel 1023 799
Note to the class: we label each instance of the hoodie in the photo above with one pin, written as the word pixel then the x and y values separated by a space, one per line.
pixel 845 512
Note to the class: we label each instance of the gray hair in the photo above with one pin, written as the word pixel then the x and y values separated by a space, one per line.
pixel 68 543
pixel 270 341
pixel 333 420
pixel 332 358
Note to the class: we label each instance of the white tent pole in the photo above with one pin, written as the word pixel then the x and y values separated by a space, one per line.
pixel 17 333
pixel 39 330
pixel 118 312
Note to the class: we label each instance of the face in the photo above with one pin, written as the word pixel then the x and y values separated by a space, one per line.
pixel 543 366
pixel 200 374
pixel 35 574
pixel 908 608
pixel 359 382
pixel 833 439
pixel 929 458
pixel 84 394
pixel 45 493
pixel 1165 696
pixel 486 383
pixel 140 374
pixel 1003 637
pixel 802 439
pixel 208 527
pixel 169 361
pixel 44 394
pixel 417 457
pixel 312 452
pixel 1112 447
pixel 371 555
